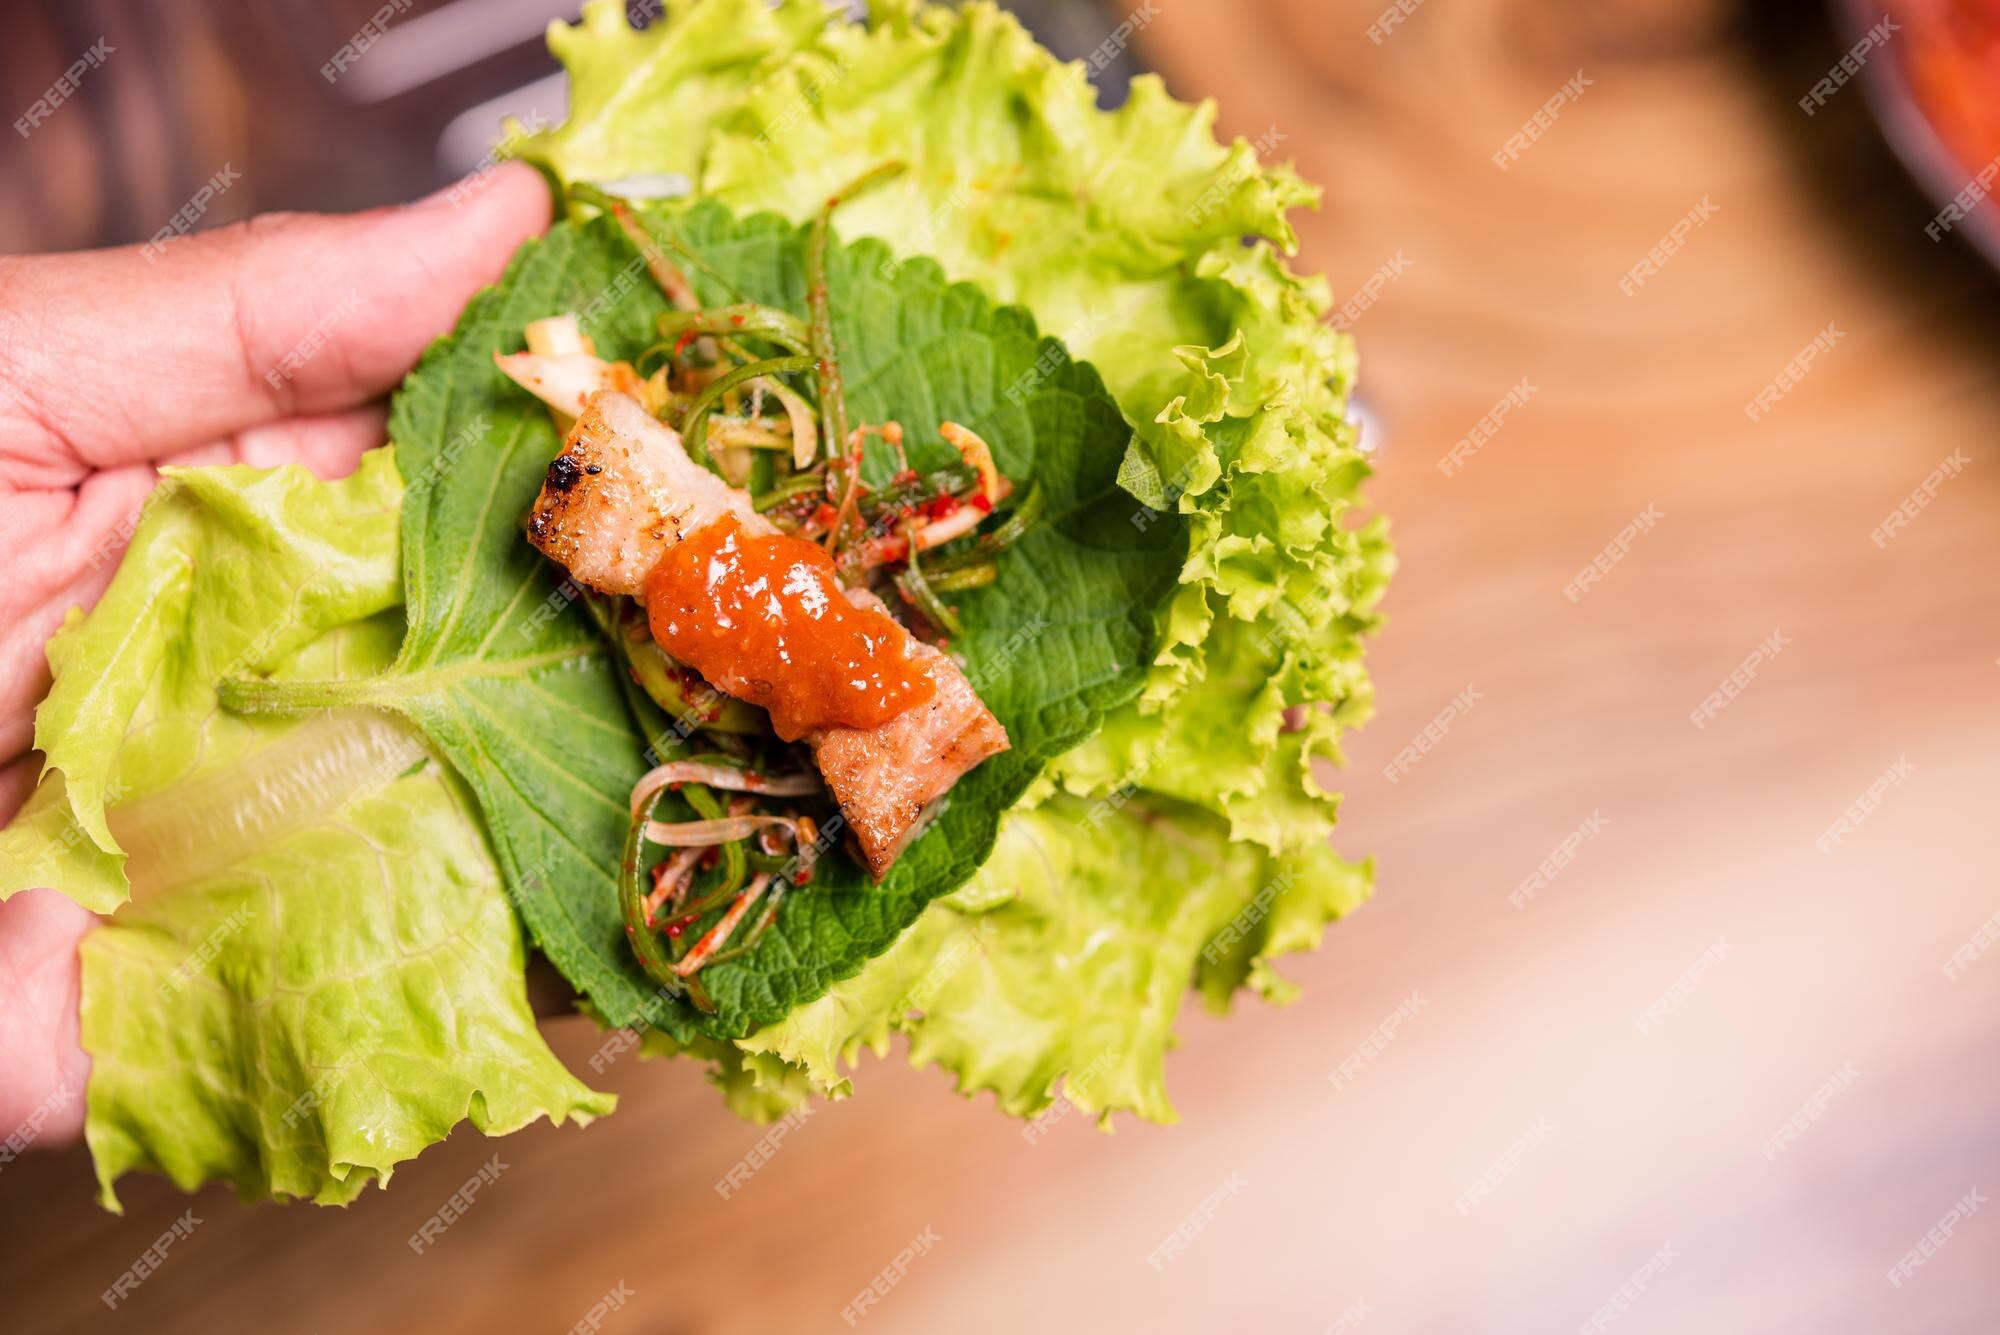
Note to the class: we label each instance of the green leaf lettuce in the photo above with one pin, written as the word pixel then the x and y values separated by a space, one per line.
pixel 317 974
pixel 1122 232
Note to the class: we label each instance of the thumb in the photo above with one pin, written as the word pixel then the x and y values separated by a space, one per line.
pixel 124 356
pixel 42 1097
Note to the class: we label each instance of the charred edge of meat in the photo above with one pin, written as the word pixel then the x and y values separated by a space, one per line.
pixel 879 865
pixel 563 473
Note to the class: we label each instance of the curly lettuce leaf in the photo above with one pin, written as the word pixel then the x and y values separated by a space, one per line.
pixel 225 570
pixel 1060 964
pixel 1122 232
pixel 317 974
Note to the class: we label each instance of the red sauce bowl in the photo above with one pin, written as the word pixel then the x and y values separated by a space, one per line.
pixel 1934 87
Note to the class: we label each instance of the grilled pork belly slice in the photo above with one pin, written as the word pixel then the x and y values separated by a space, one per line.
pixel 886 779
pixel 624 491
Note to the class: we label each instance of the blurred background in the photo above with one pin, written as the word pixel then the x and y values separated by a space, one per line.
pixel 1637 1034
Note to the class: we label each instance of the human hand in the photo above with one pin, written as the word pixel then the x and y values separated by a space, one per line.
pixel 268 342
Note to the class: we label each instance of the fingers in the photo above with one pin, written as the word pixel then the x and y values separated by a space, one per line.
pixel 52 541
pixel 40 1046
pixel 63 546
pixel 114 358
pixel 17 780
pixel 273 338
pixel 41 1050
pixel 330 446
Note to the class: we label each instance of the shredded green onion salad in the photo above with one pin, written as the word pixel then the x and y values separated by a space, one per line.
pixel 987 546
pixel 695 427
pixel 739 853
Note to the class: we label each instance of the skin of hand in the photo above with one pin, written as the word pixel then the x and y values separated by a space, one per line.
pixel 113 364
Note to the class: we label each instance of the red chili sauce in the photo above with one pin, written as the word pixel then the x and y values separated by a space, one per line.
pixel 761 617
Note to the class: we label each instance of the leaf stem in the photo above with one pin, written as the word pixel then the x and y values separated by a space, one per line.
pixel 261 695
pixel 673 283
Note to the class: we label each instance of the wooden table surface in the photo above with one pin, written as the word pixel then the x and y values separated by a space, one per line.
pixel 1631 1151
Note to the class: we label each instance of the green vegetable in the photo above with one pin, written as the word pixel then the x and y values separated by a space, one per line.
pixel 964 577
pixel 918 592
pixel 695 427
pixel 505 676
pixel 799 484
pixel 1055 966
pixel 632 903
pixel 318 974
pixel 825 351
pixel 957 479
pixel 988 545
pixel 1058 964
pixel 707 807
pixel 665 683
pixel 673 284
pixel 1122 232
pixel 780 327
pixel 516 689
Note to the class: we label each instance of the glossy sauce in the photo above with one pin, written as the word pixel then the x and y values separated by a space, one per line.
pixel 762 617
